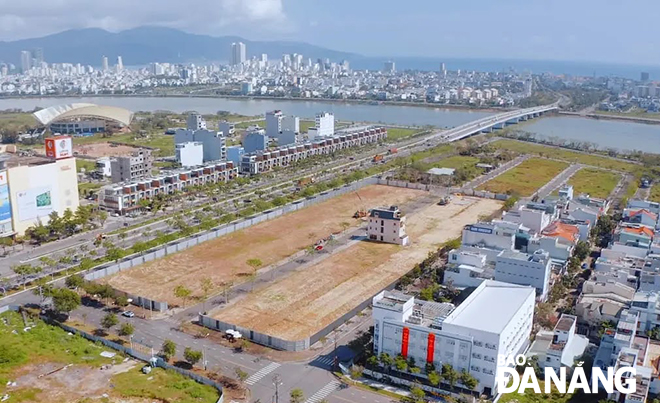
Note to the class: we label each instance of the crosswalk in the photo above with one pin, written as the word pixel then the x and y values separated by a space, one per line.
pixel 326 361
pixel 256 377
pixel 324 392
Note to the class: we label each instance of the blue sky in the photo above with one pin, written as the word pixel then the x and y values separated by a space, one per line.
pixel 581 30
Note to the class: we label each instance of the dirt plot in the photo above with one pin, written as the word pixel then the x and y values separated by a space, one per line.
pixel 306 301
pixel 224 259
pixel 97 150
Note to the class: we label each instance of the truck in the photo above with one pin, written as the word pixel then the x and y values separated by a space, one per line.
pixel 377 158
pixel 392 151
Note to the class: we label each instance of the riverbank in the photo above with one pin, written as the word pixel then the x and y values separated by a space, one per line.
pixel 603 116
pixel 270 98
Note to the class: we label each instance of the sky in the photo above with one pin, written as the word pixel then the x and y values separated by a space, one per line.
pixel 577 30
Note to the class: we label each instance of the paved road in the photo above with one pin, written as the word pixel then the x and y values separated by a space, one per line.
pixel 557 181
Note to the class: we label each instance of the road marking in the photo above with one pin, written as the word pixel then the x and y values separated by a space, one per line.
pixel 324 392
pixel 256 377
pixel 346 400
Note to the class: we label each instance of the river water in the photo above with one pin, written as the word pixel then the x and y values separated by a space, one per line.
pixel 605 133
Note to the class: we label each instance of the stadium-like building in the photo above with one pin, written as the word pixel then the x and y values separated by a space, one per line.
pixel 83 118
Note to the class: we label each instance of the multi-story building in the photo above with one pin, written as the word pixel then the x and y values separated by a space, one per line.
pixel 560 347
pixel 195 121
pixel 228 129
pixel 264 161
pixel 324 126
pixel 466 268
pixel 235 154
pixel 122 198
pixel 387 225
pixel 535 216
pixel 489 234
pixel 189 154
pixel 131 167
pixel 524 269
pixel 496 319
pixel 255 140
pixel 214 143
pixel 238 53
pixel 274 123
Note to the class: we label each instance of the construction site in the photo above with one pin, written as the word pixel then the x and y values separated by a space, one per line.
pixel 295 311
pixel 224 260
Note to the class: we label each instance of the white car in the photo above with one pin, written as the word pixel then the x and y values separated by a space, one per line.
pixel 128 314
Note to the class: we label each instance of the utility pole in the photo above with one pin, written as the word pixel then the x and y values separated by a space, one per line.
pixel 277 382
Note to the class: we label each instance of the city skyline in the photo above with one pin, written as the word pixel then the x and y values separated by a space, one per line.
pixel 432 30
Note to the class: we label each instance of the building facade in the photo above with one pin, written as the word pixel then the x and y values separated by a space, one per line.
pixel 189 154
pixel 131 167
pixel 387 225
pixel 524 269
pixel 495 319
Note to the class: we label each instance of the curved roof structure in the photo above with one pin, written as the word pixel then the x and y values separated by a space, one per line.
pixel 82 110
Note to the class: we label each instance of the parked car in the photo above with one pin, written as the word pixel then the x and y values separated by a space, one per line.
pixel 128 314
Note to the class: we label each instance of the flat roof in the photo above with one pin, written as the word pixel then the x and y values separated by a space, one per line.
pixel 491 306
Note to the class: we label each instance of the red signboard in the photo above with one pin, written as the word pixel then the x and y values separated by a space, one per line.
pixel 430 348
pixel 404 342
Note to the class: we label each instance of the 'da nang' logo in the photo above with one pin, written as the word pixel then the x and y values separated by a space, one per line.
pixel 508 380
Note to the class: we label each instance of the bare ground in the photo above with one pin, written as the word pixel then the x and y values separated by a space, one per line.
pixel 224 259
pixel 97 150
pixel 304 302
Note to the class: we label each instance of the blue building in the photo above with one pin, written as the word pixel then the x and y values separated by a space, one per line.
pixel 255 141
pixel 234 154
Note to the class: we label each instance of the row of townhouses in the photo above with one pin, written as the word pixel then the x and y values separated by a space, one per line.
pixel 266 160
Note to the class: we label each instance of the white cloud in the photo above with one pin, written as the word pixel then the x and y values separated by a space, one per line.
pixel 31 18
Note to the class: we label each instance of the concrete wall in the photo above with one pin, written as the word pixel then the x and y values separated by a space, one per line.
pixel 128 262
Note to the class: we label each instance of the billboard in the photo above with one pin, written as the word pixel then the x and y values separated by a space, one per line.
pixel 35 202
pixel 5 207
pixel 59 147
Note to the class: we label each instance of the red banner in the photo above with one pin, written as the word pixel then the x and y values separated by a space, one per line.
pixel 430 348
pixel 404 342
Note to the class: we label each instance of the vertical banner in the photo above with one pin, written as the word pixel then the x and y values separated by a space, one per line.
pixel 404 342
pixel 430 348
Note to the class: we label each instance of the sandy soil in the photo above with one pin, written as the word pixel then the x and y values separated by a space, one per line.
pixel 71 383
pixel 97 150
pixel 304 302
pixel 224 259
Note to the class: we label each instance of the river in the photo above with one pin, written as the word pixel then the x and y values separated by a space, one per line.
pixel 605 133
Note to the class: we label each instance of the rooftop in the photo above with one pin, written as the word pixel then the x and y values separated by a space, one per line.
pixel 565 323
pixel 558 229
pixel 491 306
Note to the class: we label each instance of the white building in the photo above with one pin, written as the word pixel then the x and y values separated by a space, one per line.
pixel 195 121
pixel 324 126
pixel 214 143
pixel 290 123
pixel 466 268
pixel 535 216
pixel 560 347
pixel 489 234
pixel 524 269
pixel 189 154
pixel 496 319
pixel 387 225
pixel 227 128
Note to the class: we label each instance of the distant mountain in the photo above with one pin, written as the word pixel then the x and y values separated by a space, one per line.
pixel 145 45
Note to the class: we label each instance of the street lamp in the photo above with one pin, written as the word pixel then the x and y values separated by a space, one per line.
pixel 277 382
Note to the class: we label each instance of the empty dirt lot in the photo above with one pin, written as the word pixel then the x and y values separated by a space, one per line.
pixel 97 150
pixel 224 259
pixel 304 302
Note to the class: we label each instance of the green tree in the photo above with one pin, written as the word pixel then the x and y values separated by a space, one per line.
pixel 582 250
pixel 121 300
pixel 126 329
pixel 207 286
pixel 182 292
pixel 449 374
pixel 25 270
pixel 296 396
pixel 255 264
pixel 168 349
pixel 109 321
pixel 74 281
pixel 468 380
pixel 434 378
pixel 372 361
pixel 115 254
pixel 417 394
pixel 400 363
pixel 65 300
pixel 386 360
pixel 192 356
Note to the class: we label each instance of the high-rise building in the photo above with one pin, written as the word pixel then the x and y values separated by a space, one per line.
pixel 273 123
pixel 324 124
pixel 264 58
pixel 645 76
pixel 38 56
pixel 237 53
pixel 389 67
pixel 120 64
pixel 104 63
pixel 26 61
pixel 195 121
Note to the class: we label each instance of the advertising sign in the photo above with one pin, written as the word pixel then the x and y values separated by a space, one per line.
pixel 473 228
pixel 59 147
pixel 33 203
pixel 5 207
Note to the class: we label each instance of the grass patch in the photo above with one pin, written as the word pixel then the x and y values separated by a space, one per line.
pixel 457 162
pixel 594 182
pixel 17 121
pixel 395 133
pixel 88 165
pixel 526 178
pixel 654 194
pixel 245 125
pixel 42 343
pixel 162 385
pixel 86 187
pixel 567 155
